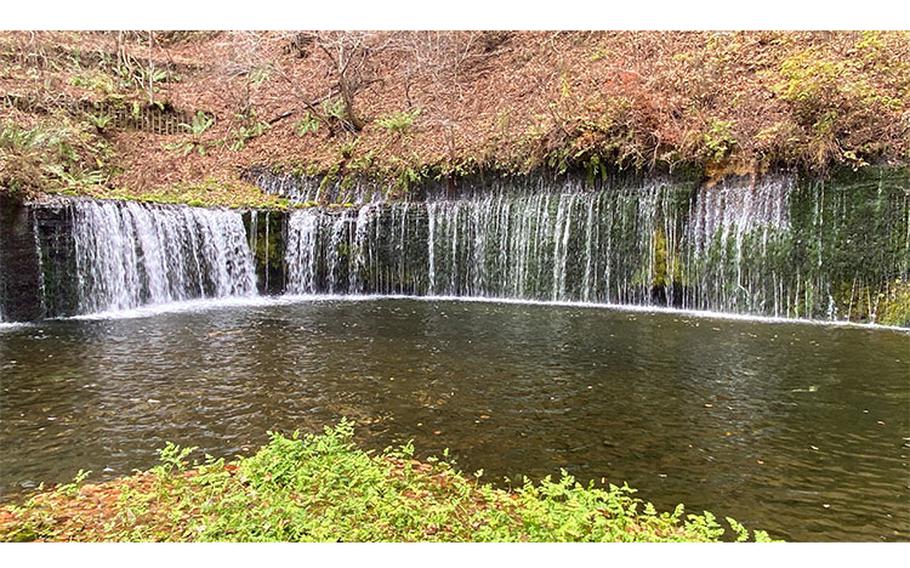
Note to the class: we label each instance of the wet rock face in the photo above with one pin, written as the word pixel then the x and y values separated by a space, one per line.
pixel 57 255
pixel 20 264
pixel 267 233
pixel 779 246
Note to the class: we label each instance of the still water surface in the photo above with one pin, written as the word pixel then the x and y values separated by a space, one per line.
pixel 802 430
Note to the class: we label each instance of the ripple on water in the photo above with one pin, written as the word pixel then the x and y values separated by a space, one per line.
pixel 720 414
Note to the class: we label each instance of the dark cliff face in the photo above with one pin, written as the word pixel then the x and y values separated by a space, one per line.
pixel 266 233
pixel 20 263
pixel 56 246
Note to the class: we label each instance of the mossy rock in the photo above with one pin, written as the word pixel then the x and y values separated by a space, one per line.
pixel 895 306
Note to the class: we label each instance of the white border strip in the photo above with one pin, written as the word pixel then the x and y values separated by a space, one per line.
pixel 407 555
pixel 466 14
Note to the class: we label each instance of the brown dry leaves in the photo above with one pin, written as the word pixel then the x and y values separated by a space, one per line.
pixel 508 100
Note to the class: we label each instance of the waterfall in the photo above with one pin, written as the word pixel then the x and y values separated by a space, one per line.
pixel 129 254
pixel 734 232
pixel 301 252
pixel 313 190
pixel 772 247
pixel 768 248
pixel 544 246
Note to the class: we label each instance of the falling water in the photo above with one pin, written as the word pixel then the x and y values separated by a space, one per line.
pixel 301 251
pixel 734 233
pixel 773 247
pixel 129 254
pixel 730 247
pixel 312 190
pixel 545 246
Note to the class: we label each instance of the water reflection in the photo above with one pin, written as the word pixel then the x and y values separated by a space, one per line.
pixel 797 429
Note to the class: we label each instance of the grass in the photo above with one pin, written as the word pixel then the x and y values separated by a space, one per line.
pixel 207 193
pixel 48 157
pixel 324 488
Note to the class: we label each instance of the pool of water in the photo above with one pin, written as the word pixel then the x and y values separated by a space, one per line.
pixel 802 430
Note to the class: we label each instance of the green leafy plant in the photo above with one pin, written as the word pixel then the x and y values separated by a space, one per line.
pixel 79 180
pixel 333 108
pixel 322 487
pixel 72 489
pixel 719 140
pixel 173 458
pixel 250 127
pixel 99 120
pixel 346 149
pixel 399 122
pixel 200 123
pixel 309 123
pixel 97 81
pixel 246 133
pixel 132 73
pixel 45 158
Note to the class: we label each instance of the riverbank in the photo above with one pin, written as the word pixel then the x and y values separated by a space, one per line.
pixel 324 488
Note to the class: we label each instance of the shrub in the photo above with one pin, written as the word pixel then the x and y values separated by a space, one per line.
pixel 323 488
pixel 836 103
pixel 719 140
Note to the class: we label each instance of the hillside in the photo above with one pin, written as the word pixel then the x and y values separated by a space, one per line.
pixel 179 116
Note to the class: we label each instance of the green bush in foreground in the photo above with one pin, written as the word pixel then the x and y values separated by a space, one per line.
pixel 323 488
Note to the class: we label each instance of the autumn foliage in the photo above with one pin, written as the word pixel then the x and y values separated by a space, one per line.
pixel 418 104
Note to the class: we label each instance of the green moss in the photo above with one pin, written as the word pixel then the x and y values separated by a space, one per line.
pixel 894 308
pixel 208 193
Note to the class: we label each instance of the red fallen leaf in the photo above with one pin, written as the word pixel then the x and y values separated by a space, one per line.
pixel 230 468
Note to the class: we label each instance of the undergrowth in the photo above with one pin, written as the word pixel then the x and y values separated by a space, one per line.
pixel 323 488
pixel 62 154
